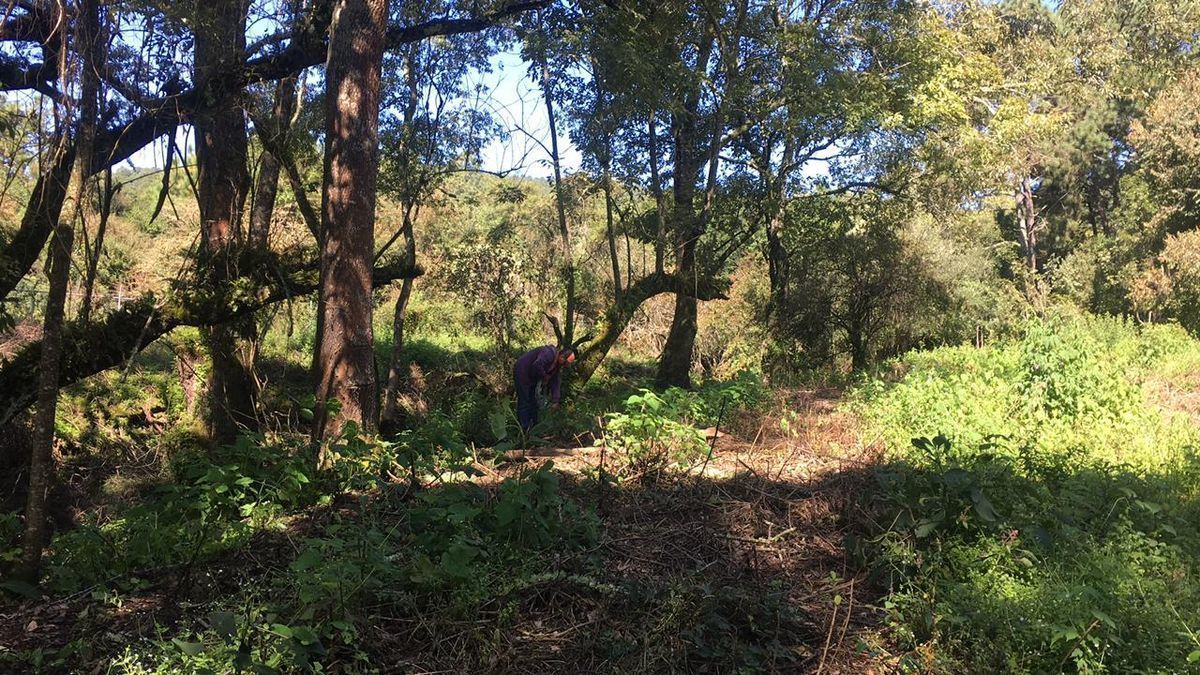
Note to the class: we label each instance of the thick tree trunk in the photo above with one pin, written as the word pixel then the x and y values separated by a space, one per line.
pixel 221 152
pixel 40 467
pixel 345 363
pixel 674 366
pixel 777 269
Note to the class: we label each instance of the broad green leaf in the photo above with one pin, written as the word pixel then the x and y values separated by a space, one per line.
pixel 189 648
pixel 926 527
pixel 307 559
pixel 223 623
pixel 983 507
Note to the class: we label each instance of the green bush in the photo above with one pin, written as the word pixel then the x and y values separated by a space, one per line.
pixel 648 435
pixel 450 550
pixel 1047 516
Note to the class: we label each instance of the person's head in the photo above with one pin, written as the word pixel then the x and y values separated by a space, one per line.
pixel 566 356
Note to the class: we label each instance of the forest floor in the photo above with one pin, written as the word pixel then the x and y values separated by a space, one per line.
pixel 770 509
pixel 760 524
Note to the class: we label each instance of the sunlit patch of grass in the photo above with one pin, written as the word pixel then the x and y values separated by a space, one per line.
pixel 1048 516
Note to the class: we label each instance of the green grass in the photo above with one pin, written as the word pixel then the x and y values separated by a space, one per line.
pixel 1039 511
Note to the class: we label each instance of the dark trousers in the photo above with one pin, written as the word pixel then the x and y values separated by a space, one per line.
pixel 527 405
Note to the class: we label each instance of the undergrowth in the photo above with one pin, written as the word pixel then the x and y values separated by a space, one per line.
pixel 1038 512
pixel 258 561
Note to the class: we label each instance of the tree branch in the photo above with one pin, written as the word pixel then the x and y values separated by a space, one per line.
pixel 90 348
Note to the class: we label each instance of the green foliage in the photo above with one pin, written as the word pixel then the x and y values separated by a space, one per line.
pixel 489 279
pixel 1054 520
pixel 11 528
pixel 214 503
pixel 649 435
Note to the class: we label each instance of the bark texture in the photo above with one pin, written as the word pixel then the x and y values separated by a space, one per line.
pixel 345 359
pixel 40 460
pixel 221 152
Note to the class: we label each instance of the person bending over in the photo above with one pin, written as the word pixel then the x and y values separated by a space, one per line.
pixel 539 367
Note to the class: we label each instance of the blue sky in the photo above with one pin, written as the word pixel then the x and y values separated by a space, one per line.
pixel 515 101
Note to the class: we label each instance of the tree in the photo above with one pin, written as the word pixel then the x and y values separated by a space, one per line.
pixel 438 131
pixel 149 99
pixel 86 116
pixel 345 354
pixel 222 186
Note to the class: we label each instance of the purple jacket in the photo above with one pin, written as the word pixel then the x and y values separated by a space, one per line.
pixel 540 365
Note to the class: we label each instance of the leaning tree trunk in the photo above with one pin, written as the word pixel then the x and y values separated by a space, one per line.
pixel 221 152
pixel 266 187
pixel 616 318
pixel 345 360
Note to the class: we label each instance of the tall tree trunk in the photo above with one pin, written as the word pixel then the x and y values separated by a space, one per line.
pixel 560 202
pixel 604 156
pixel 1027 223
pixel 221 153
pixel 674 366
pixel 88 48
pixel 345 363
pixel 660 200
pixel 397 366
pixel 611 232
pixel 859 354
pixel 93 262
pixel 87 26
pixel 775 186
pixel 267 186
pixel 777 268
pixel 262 210
pixel 40 467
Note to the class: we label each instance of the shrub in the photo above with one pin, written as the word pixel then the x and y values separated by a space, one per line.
pixel 1055 523
pixel 649 436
